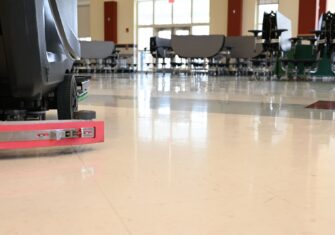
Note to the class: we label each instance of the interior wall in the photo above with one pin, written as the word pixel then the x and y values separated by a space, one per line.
pixel 249 16
pixel 218 16
pixel 84 21
pixel 125 20
pixel 290 8
pixel 97 19
pixel 126 25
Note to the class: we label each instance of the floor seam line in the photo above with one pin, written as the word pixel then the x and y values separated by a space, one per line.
pixel 106 198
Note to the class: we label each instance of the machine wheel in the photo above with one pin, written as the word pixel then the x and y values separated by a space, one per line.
pixel 67 101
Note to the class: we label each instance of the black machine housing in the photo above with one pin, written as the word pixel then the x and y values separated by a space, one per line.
pixel 326 33
pixel 38 45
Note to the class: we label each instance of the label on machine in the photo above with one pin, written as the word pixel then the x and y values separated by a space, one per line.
pixel 18 135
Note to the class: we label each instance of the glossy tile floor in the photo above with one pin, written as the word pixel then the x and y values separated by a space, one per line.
pixel 183 156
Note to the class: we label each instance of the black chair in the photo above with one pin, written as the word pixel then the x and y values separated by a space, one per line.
pixel 270 39
pixel 160 48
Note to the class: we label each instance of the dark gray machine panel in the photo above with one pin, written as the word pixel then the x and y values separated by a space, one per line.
pixel 3 69
pixel 38 45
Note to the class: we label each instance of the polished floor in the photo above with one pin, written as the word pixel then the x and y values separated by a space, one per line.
pixel 183 156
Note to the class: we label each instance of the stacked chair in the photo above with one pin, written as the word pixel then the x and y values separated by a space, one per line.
pixel 267 64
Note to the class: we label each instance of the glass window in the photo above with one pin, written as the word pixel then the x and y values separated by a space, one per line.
pixel 166 33
pixel 163 18
pixel 182 12
pixel 163 12
pixel 144 35
pixel 200 11
pixel 200 30
pixel 182 32
pixel 145 12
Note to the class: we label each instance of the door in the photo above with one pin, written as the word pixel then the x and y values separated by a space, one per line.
pixel 111 21
pixel 235 8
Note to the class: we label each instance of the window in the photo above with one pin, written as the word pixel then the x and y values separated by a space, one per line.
pixel 144 35
pixel 265 6
pixel 158 13
pixel 182 12
pixel 200 30
pixel 165 33
pixel 163 12
pixel 200 11
pixel 145 12
pixel 182 32
pixel 162 18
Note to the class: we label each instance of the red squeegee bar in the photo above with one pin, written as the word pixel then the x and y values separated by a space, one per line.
pixel 24 135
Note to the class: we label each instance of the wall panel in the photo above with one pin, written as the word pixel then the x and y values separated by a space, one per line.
pixel 84 29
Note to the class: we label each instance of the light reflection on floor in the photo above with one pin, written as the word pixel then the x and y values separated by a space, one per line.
pixel 183 156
